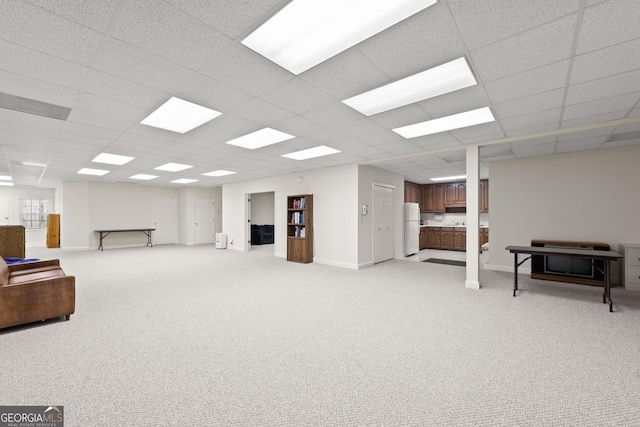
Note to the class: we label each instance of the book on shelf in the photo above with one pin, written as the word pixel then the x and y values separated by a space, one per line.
pixel 298 203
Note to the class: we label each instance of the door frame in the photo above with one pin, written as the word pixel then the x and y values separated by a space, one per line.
pixel 213 219
pixel 175 216
pixel 393 236
pixel 247 216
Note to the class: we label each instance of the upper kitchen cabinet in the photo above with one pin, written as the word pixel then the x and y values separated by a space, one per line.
pixel 455 195
pixel 412 192
pixel 484 195
pixel 433 198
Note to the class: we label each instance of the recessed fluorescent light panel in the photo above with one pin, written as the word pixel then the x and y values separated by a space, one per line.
pixel 308 32
pixel 173 167
pixel 6 184
pixel 5 178
pixel 143 177
pixel 89 171
pixel 112 159
pixel 433 82
pixel 260 138
pixel 184 181
pixel 219 172
pixel 321 150
pixel 443 124
pixel 449 178
pixel 38 165
pixel 180 116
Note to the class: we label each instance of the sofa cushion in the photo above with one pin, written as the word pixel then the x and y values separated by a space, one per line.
pixel 33 276
pixel 33 270
pixel 4 272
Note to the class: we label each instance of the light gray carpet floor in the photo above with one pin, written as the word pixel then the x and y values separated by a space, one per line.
pixel 174 335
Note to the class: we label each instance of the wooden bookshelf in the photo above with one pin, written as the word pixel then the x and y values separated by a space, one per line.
pixel 300 228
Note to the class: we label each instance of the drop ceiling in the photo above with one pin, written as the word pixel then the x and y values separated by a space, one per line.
pixel 559 76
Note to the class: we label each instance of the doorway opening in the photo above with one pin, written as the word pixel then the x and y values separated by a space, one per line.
pixel 260 220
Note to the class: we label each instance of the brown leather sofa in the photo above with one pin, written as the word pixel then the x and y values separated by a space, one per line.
pixel 35 291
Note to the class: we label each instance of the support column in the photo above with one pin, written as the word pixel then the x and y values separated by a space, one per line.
pixel 473 218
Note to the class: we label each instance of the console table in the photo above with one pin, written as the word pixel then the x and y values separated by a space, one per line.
pixel 105 233
pixel 585 254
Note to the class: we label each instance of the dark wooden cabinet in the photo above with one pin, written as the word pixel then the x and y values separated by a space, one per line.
pixel 484 236
pixel 413 193
pixel 446 238
pixel 433 198
pixel 12 241
pixel 300 228
pixel 460 239
pixel 434 238
pixel 424 238
pixel 484 195
pixel 455 195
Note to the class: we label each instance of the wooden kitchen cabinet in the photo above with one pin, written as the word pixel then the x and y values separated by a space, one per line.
pixel 433 198
pixel 413 193
pixel 434 239
pixel 455 195
pixel 460 239
pixel 484 195
pixel 424 238
pixel 484 236
pixel 446 238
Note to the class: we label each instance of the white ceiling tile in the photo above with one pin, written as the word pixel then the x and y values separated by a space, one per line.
pixel 553 42
pixel 242 68
pixel 606 62
pixel 620 84
pixel 95 14
pixel 529 147
pixel 593 119
pixel 609 23
pixel 466 99
pixel 471 133
pixel 615 104
pixel 136 65
pixel 262 112
pixel 533 119
pixel 347 74
pixel 486 21
pixel 26 87
pixel 335 113
pixel 298 125
pixel 574 148
pixel 625 143
pixel 528 83
pixel 586 134
pixel 99 120
pixel 35 28
pixel 107 107
pixel 17 59
pixel 424 40
pixel 31 120
pixel 159 28
pixel 228 17
pixel 529 104
pixel 119 89
pixel 297 96
pixel 533 130
pixel 210 93
pixel 401 116
pixel 578 142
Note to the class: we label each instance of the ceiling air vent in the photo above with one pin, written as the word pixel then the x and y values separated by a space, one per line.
pixel 624 136
pixel 31 106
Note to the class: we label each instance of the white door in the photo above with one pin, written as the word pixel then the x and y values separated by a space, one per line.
pixel 387 240
pixel 204 221
pixel 4 210
pixel 164 220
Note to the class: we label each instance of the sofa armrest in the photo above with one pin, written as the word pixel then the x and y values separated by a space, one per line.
pixel 35 264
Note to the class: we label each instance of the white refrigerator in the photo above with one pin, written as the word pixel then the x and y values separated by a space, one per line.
pixel 411 228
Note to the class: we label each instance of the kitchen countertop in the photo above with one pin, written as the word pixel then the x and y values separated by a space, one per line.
pixel 452 226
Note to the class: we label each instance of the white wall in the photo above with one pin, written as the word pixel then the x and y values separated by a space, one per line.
pixel 89 206
pixel 367 177
pixel 186 211
pixel 263 208
pixel 587 196
pixel 33 237
pixel 335 199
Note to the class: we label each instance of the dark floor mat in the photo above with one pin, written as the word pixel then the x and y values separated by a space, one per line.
pixel 446 261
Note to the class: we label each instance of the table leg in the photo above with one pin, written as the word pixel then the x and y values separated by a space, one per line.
pixel 606 297
pixel 515 273
pixel 100 245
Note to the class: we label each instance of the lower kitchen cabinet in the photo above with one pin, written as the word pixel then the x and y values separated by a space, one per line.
pixel 424 238
pixel 450 238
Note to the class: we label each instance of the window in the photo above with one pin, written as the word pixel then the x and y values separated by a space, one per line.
pixel 34 212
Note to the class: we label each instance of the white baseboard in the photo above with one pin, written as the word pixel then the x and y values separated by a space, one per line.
pixel 335 263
